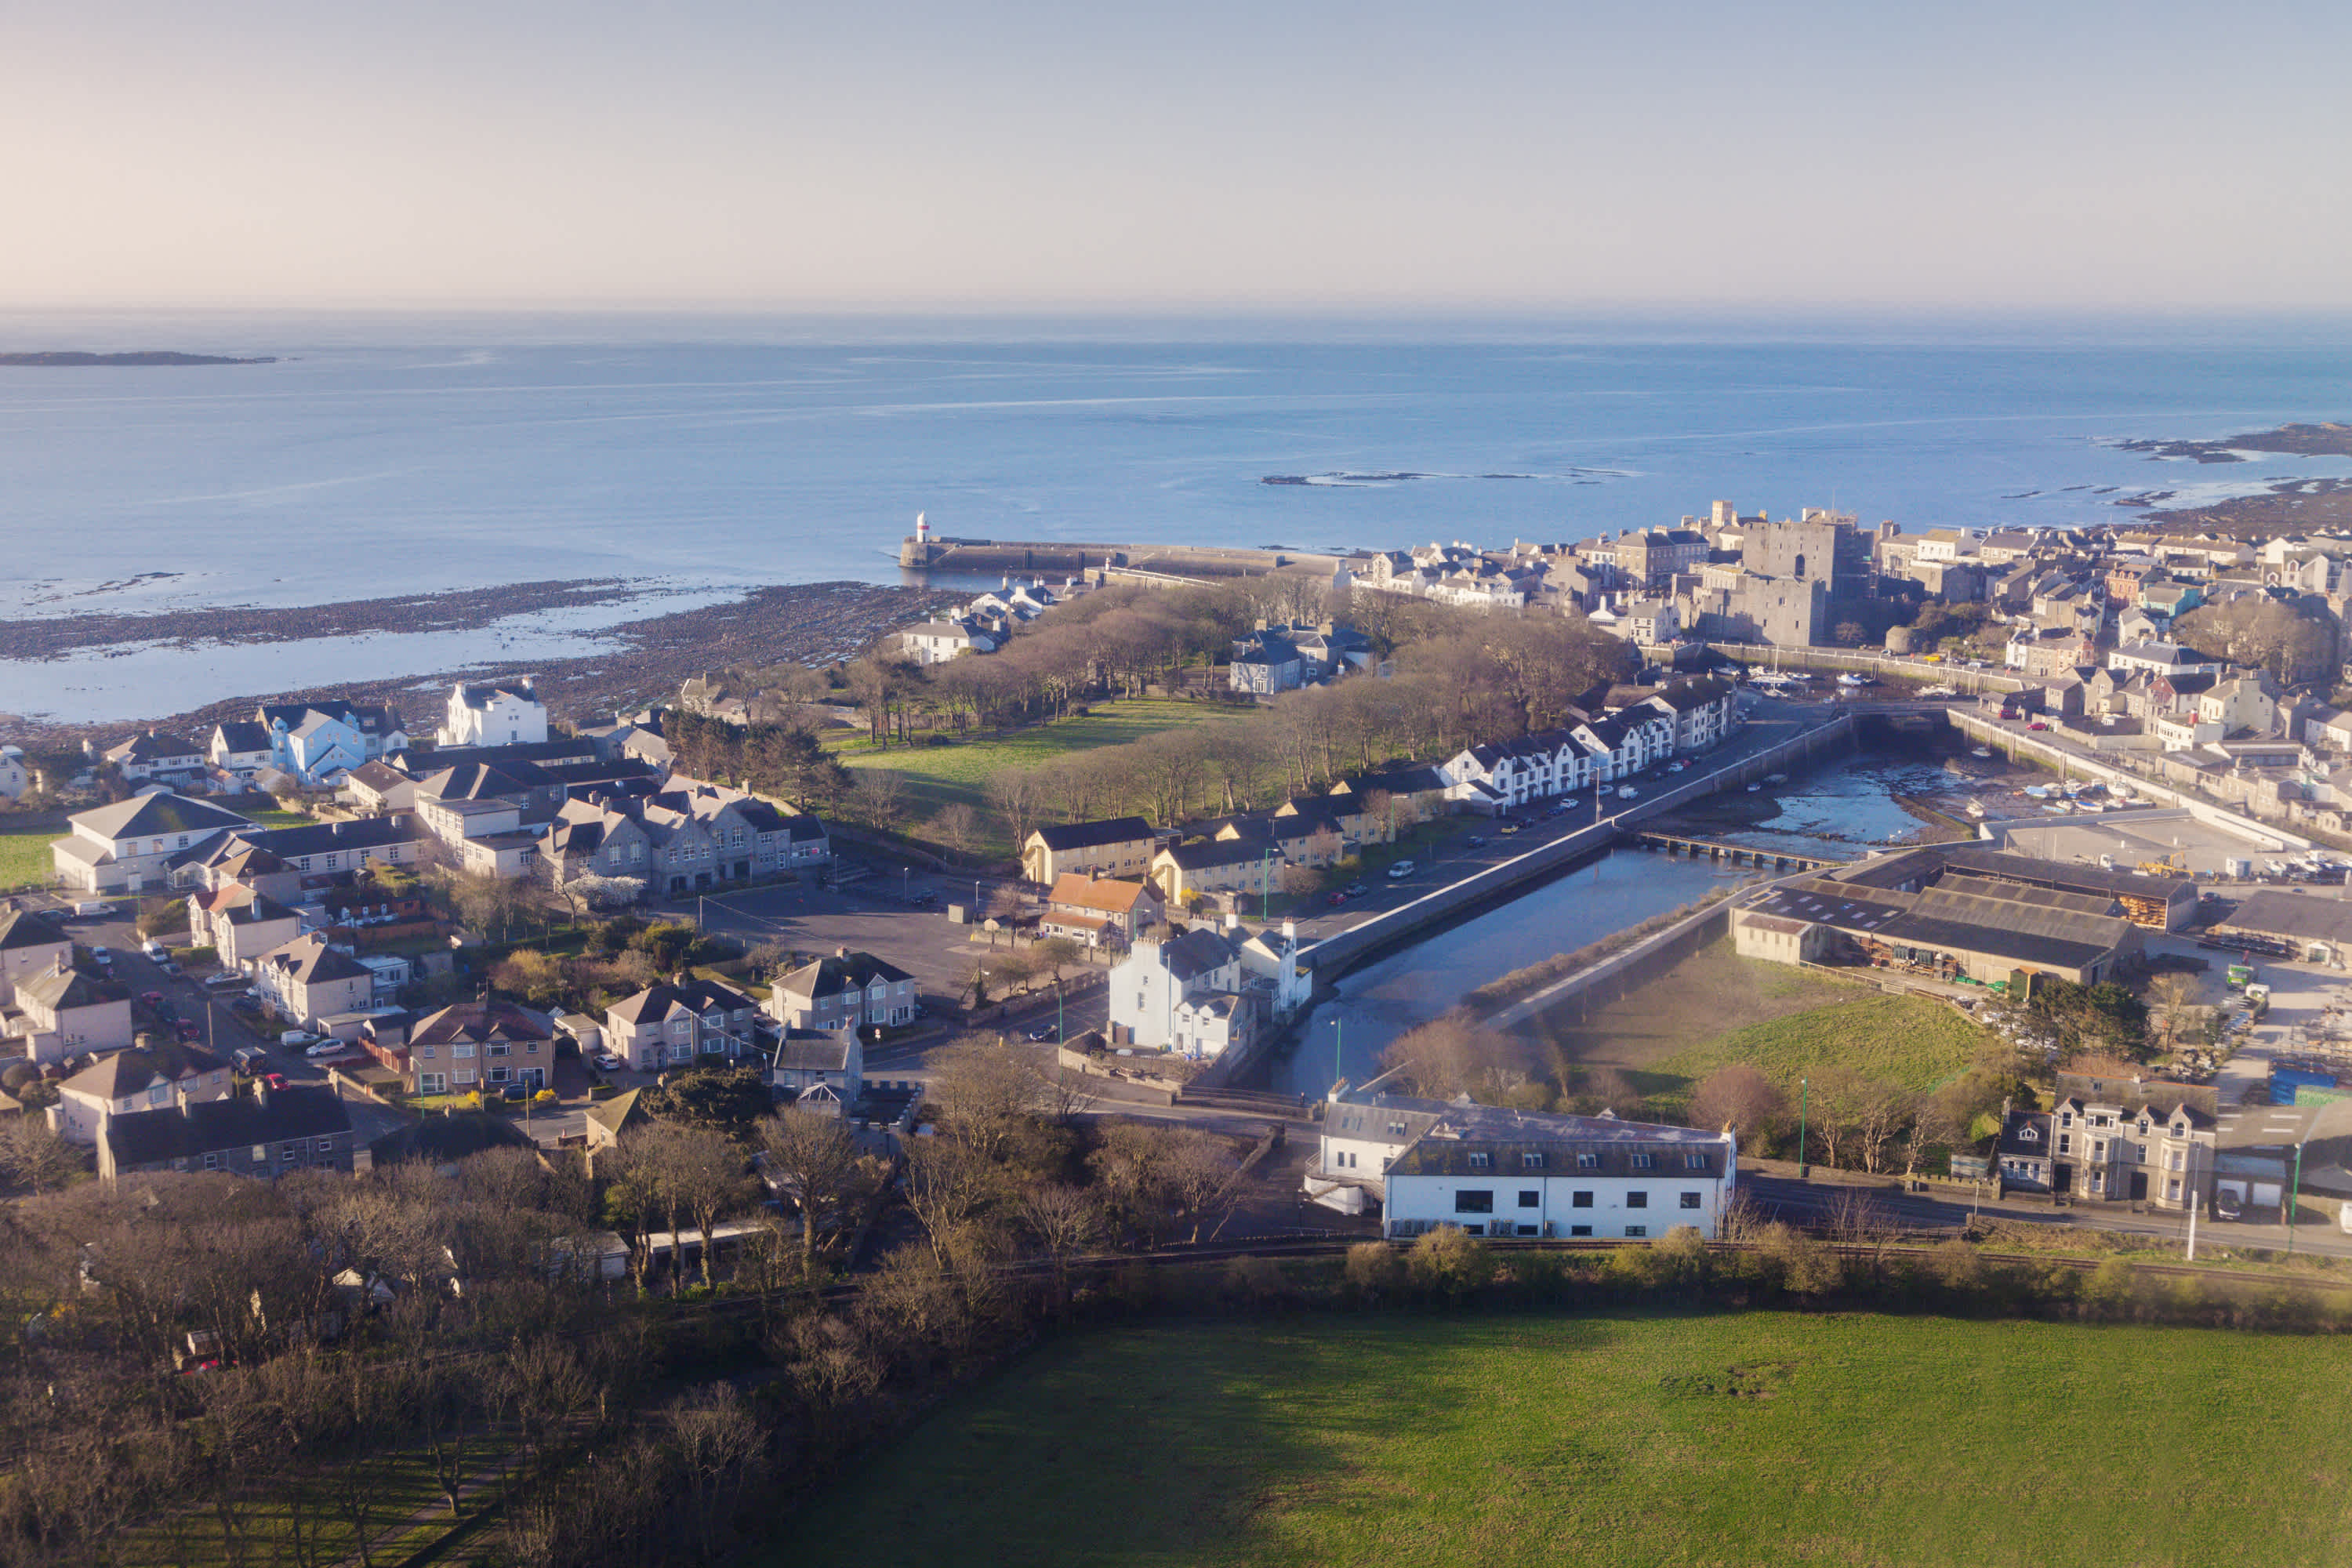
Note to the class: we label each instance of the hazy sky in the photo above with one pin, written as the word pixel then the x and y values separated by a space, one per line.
pixel 1348 156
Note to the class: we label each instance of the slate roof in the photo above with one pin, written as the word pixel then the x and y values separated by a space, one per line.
pixel 2271 913
pixel 362 833
pixel 118 1075
pixel 206 1127
pixel 153 815
pixel 441 1140
pixel 811 1050
pixel 842 972
pixel 61 987
pixel 1196 952
pixel 147 746
pixel 668 999
pixel 480 1021
pixel 24 928
pixel 311 962
pixel 241 735
pixel 1062 835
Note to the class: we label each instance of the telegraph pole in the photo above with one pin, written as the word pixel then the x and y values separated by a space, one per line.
pixel 1804 1104
pixel 2292 1185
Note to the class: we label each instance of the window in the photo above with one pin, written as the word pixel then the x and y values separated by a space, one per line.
pixel 1637 1230
pixel 1473 1202
pixel 432 1083
pixel 2065 1119
pixel 1637 1200
pixel 2172 1189
pixel 326 1145
pixel 2065 1142
pixel 212 1161
pixel 2029 1134
pixel 2173 1161
pixel 1580 1200
pixel 1694 1162
pixel 1588 1161
pixel 499 1050
pixel 425 1052
pixel 1644 1161
pixel 1480 1161
pixel 2099 1148
pixel 1580 1230
pixel 461 1053
pixel 1530 1230
pixel 498 1074
pixel 1531 1162
pixel 261 1153
pixel 1690 1200
pixel 1530 1198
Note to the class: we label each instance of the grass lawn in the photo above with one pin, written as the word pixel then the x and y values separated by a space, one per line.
pixel 1756 1438
pixel 25 857
pixel 273 817
pixel 938 775
pixel 1906 1041
pixel 401 1484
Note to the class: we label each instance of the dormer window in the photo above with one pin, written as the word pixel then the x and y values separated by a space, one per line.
pixel 1588 1161
pixel 1480 1161
pixel 2180 1129
pixel 2029 1134
pixel 1532 1161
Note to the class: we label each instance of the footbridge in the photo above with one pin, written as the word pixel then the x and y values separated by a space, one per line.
pixel 1733 854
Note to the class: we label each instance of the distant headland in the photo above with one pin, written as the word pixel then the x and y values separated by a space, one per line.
pixel 147 356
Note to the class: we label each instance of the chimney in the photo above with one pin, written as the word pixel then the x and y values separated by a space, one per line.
pixel 841 952
pixel 1233 920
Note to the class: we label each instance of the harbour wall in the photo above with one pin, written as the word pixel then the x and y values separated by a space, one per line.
pixel 1028 557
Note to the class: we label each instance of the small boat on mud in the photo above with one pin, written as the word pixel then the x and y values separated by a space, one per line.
pixel 1981 752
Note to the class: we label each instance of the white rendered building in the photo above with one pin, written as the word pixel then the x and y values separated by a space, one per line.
pixel 1498 1173
pixel 501 713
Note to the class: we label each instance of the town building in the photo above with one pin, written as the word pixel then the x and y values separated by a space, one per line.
pixel 241 752
pixel 310 979
pixel 680 1023
pixel 493 714
pixel 2115 1140
pixel 1206 991
pixel 241 924
pixel 62 1011
pixel 467 1048
pixel 812 1064
pixel 848 990
pixel 123 1082
pixel 265 1134
pixel 29 944
pixel 1100 911
pixel 1498 1173
pixel 319 743
pixel 126 846
pixel 153 757
pixel 1120 846
pixel 688 835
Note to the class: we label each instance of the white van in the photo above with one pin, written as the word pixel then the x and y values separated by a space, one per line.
pixel 88 907
pixel 1400 871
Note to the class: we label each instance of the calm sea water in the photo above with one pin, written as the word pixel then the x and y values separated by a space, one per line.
pixel 401 454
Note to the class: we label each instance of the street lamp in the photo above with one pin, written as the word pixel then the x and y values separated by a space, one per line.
pixel 1804 1104
pixel 1339 1038
pixel 2292 1185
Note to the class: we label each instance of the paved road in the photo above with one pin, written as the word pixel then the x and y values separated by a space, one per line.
pixel 1798 1200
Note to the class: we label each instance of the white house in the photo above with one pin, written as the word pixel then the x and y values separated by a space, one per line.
pixel 122 1082
pixel 1206 992
pixel 125 847
pixel 1495 1172
pixel 496 714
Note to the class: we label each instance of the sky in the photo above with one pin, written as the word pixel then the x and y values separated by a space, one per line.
pixel 710 154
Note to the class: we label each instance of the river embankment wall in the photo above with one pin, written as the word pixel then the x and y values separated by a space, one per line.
pixel 1959 677
pixel 1605 980
pixel 1336 955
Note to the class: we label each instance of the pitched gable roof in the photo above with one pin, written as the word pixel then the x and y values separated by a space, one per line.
pixel 1062 836
pixel 205 1127
pixel 24 928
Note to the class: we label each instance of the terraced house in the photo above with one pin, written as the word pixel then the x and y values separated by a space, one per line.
pixel 691 835
pixel 847 990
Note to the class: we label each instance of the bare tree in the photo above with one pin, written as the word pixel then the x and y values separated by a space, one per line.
pixel 880 792
pixel 956 827
pixel 1740 1098
pixel 1014 795
pixel 816 1163
pixel 1063 1218
pixel 984 1091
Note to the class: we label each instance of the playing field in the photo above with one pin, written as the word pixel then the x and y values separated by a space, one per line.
pixel 1739 1439
pixel 937 775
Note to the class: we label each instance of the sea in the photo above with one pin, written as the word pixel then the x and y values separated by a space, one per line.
pixel 695 455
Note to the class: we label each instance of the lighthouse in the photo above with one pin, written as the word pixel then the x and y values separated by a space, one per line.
pixel 922 529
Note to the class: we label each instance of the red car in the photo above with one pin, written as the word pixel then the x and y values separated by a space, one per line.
pixel 191 1031
pixel 2037 726
pixel 152 998
pixel 274 1079
pixel 1338 898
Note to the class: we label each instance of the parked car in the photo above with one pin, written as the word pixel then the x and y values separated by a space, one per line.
pixel 1513 827
pixel 292 1038
pixel 515 1093
pixel 1400 871
pixel 274 1079
pixel 2227 1206
pixel 103 958
pixel 1050 1032
pixel 249 1058
pixel 151 998
pixel 1477 841
pixel 191 1031
pixel 327 1048
pixel 1355 889
pixel 169 968
pixel 1337 900
pixel 606 1062
pixel 154 949
pixel 2037 724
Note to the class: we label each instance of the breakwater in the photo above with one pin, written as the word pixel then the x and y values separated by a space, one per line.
pixel 1030 557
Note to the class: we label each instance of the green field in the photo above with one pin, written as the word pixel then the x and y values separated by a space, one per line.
pixel 25 857
pixel 1758 1438
pixel 938 775
pixel 1906 1041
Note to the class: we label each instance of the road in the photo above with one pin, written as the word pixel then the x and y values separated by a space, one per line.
pixel 226 1030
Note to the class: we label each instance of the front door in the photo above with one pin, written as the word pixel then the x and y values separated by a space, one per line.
pixel 2139 1186
pixel 2061 1179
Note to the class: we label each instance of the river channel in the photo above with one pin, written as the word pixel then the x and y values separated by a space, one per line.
pixel 1845 805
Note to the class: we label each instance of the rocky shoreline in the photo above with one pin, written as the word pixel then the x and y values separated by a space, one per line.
pixel 645 660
